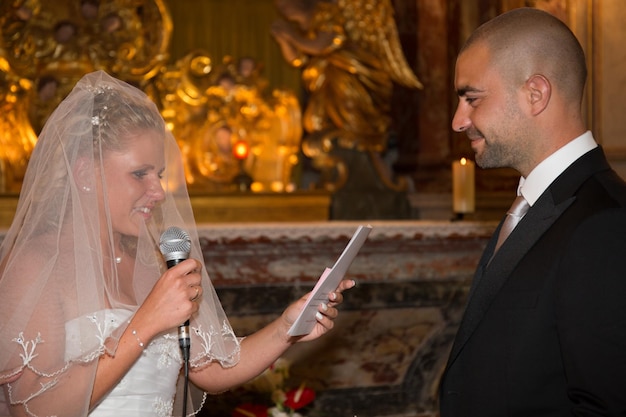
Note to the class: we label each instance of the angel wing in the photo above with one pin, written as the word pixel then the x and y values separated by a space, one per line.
pixel 371 24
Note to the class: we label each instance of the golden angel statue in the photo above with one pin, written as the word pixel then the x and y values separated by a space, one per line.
pixel 350 55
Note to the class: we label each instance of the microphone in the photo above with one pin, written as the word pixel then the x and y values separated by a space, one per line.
pixel 175 246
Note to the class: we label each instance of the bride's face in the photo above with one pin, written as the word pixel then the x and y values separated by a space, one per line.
pixel 133 181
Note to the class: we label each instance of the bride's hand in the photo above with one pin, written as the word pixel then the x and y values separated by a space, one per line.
pixel 326 315
pixel 173 299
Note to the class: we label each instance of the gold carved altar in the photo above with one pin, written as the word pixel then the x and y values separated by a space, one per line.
pixel 298 206
pixel 211 105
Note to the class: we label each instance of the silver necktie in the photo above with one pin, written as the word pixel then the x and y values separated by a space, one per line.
pixel 518 209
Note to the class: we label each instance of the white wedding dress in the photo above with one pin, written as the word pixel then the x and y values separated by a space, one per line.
pixel 149 387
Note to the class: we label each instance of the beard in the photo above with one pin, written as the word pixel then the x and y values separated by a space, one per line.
pixel 494 155
pixel 506 135
pixel 497 150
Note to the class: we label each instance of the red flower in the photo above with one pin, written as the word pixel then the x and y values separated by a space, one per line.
pixel 298 398
pixel 250 410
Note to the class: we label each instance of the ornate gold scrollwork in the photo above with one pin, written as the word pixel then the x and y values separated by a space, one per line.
pixel 47 46
pixel 350 56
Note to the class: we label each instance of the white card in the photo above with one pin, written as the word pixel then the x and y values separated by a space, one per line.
pixel 328 282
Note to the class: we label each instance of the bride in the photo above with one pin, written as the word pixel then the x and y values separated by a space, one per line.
pixel 89 311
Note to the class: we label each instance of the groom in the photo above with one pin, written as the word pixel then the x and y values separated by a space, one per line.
pixel 544 331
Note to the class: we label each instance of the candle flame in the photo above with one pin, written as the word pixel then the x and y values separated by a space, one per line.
pixel 463 161
pixel 241 149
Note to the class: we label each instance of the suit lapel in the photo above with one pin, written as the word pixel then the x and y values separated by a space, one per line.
pixel 490 277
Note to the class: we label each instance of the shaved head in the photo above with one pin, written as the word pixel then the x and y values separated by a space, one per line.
pixel 526 41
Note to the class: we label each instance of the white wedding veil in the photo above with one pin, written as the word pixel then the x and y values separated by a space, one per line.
pixel 58 259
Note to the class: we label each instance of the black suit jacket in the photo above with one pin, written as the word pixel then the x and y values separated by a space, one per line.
pixel 544 331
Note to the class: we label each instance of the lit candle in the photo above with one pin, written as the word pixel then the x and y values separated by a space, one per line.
pixel 463 186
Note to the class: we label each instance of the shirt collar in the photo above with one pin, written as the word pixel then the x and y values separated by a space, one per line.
pixel 550 168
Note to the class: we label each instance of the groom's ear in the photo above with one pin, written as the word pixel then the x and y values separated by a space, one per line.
pixel 539 93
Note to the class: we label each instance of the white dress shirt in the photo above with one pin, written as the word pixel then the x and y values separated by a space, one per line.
pixel 550 168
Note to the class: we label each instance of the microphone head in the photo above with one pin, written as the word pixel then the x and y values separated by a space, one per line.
pixel 175 244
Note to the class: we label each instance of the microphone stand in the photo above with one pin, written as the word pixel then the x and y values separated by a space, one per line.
pixel 184 342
